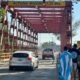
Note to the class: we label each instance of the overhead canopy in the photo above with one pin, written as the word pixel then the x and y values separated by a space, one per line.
pixel 43 17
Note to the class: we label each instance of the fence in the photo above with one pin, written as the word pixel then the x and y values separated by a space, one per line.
pixel 4 57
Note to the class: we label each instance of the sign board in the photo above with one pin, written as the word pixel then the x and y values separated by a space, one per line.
pixel 34 3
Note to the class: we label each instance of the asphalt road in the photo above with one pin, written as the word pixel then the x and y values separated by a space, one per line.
pixel 45 71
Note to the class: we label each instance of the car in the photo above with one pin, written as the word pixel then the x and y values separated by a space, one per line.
pixel 24 60
pixel 48 53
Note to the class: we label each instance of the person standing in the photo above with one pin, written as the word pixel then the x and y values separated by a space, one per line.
pixel 78 63
pixel 74 60
pixel 65 67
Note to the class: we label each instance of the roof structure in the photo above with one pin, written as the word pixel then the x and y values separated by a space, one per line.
pixel 39 17
pixel 45 17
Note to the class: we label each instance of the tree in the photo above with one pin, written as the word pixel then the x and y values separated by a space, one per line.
pixel 2 13
pixel 75 27
pixel 50 45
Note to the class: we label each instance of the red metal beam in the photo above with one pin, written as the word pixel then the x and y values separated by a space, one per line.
pixel 47 20
pixel 52 23
pixel 52 27
pixel 43 20
pixel 18 10
pixel 44 17
pixel 43 6
pixel 47 17
pixel 43 30
pixel 38 27
pixel 40 21
pixel 41 16
pixel 25 14
pixel 41 12
pixel 48 24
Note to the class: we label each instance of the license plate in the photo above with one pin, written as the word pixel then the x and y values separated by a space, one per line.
pixel 19 59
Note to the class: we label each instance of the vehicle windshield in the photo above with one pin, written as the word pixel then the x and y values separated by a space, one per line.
pixel 48 50
pixel 20 55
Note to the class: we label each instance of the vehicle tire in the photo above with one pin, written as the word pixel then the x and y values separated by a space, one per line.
pixel 32 68
pixel 37 64
pixel 10 68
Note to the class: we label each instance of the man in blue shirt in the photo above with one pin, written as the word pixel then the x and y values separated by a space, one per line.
pixel 65 67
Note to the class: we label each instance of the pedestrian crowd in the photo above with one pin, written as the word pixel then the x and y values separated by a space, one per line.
pixel 69 63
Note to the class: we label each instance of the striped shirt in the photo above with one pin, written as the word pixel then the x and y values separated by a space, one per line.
pixel 65 67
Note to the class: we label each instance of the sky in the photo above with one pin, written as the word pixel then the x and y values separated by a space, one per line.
pixel 76 11
pixel 47 37
pixel 76 17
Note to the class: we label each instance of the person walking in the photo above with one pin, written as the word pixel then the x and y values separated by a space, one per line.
pixel 65 67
